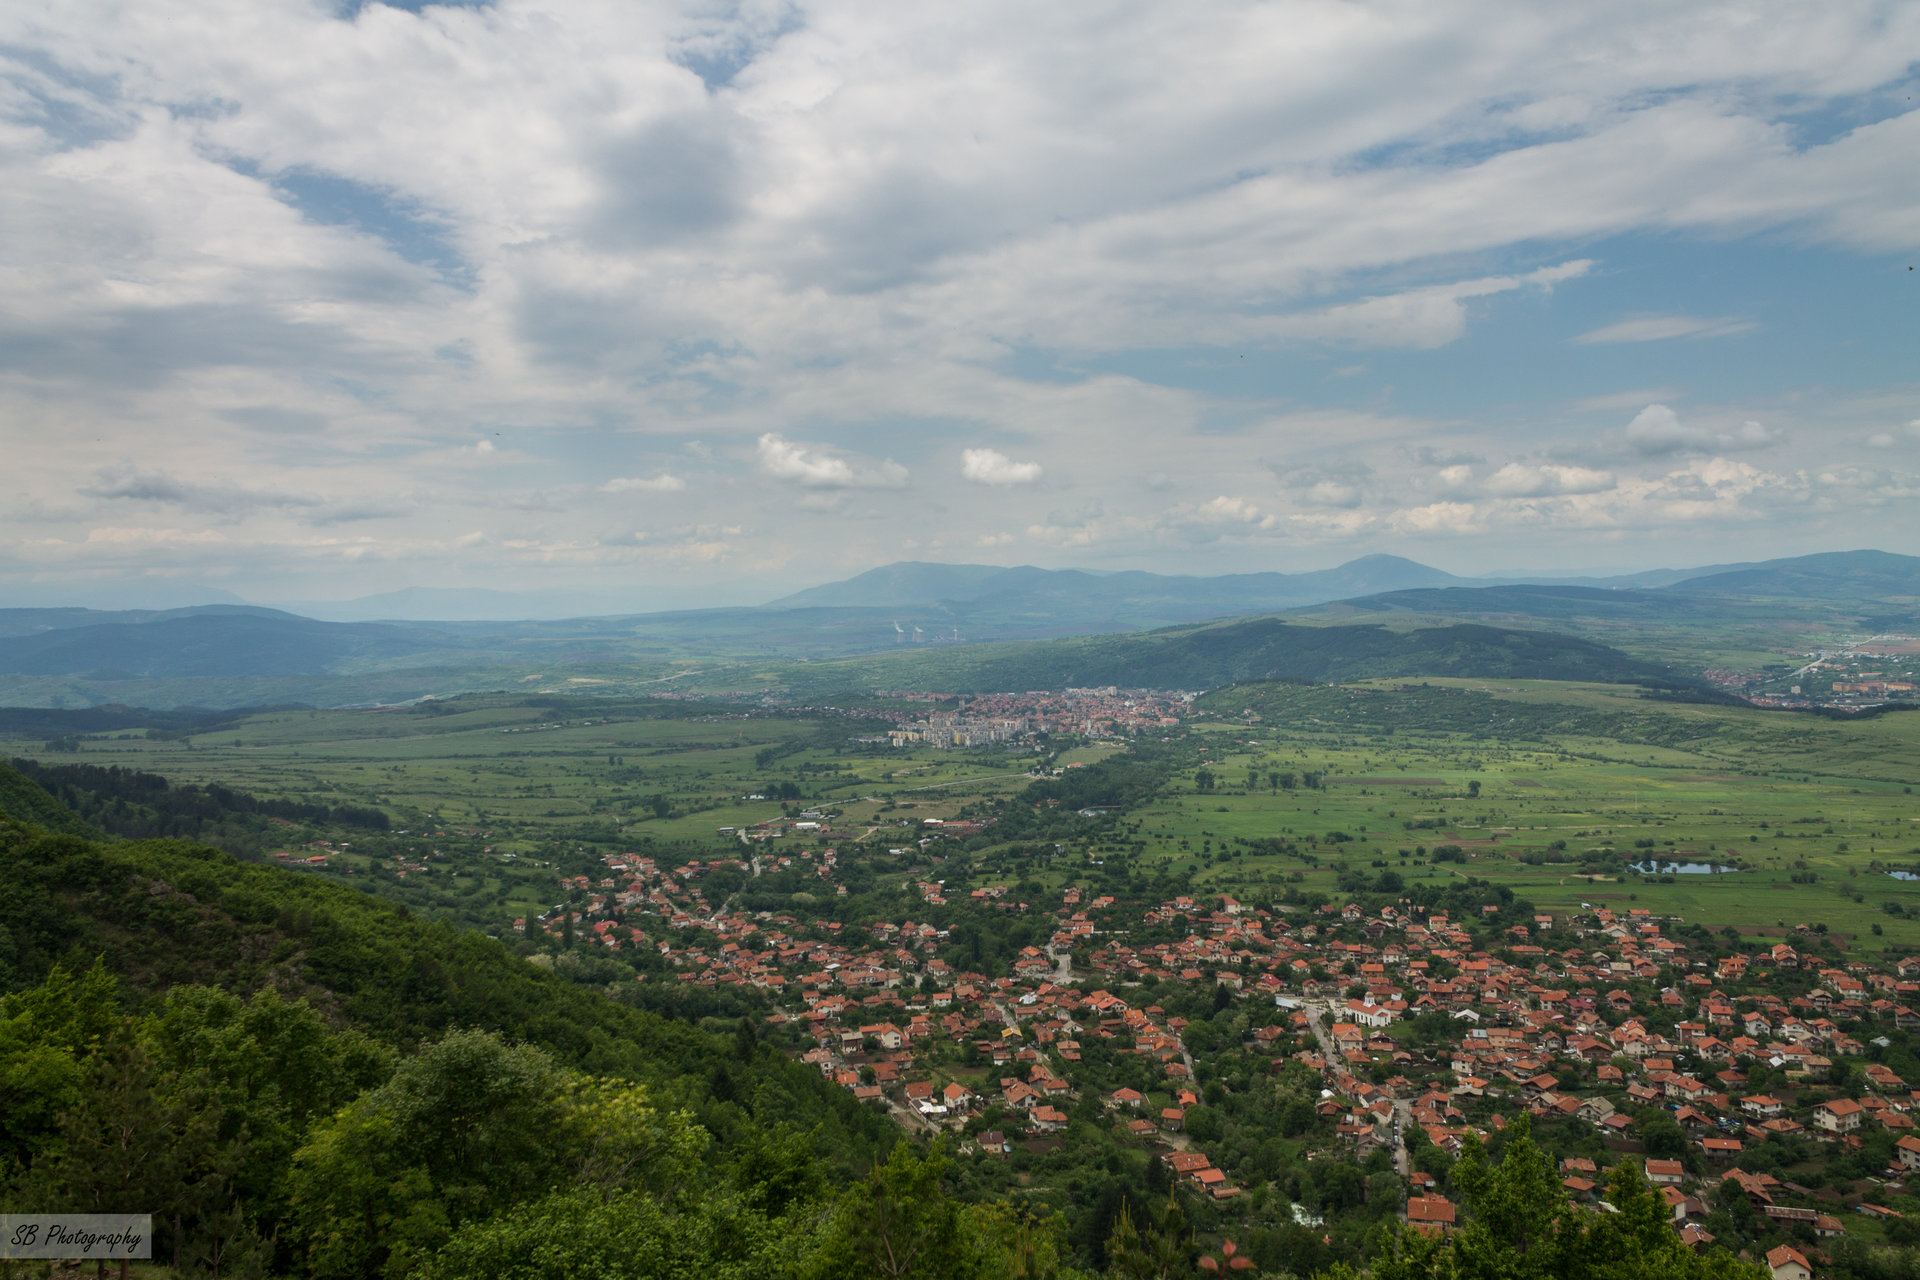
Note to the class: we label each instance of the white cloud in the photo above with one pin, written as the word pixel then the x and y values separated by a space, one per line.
pixel 1657 429
pixel 282 255
pixel 1663 328
pixel 1332 493
pixel 665 482
pixel 1339 485
pixel 1064 535
pixel 1421 318
pixel 1438 518
pixel 1519 480
pixel 991 467
pixel 1888 439
pixel 814 468
pixel 1230 511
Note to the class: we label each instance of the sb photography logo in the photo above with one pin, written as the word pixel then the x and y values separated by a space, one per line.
pixel 76 1235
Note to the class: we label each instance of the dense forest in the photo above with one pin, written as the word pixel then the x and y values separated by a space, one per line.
pixel 139 806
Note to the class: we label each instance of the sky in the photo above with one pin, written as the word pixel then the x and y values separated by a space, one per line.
pixel 677 304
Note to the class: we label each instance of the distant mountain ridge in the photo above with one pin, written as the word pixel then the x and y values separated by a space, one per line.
pixel 76 657
pixel 1849 575
pixel 1214 654
pixel 218 641
pixel 1854 576
pixel 909 583
pixel 1877 586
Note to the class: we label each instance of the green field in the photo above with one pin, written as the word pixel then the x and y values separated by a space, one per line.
pixel 1548 789
pixel 1780 796
pixel 492 798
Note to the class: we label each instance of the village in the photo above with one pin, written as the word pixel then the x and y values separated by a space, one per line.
pixel 1006 717
pixel 1744 1080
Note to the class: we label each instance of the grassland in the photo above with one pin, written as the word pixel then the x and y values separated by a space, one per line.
pixel 494 797
pixel 1547 789
pixel 1538 799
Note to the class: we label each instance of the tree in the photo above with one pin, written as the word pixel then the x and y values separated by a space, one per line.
pixel 1008 1243
pixel 628 1236
pixel 1153 1252
pixel 1638 1239
pixel 1518 1224
pixel 745 1042
pixel 465 1128
pixel 778 1170
pixel 47 1035
pixel 266 1069
pixel 1662 1136
pixel 136 1141
pixel 896 1223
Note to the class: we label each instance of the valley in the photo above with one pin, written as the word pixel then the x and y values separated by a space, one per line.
pixel 1290 954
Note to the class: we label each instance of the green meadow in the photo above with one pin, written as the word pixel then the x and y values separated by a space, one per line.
pixel 1552 791
pixel 1549 789
pixel 493 797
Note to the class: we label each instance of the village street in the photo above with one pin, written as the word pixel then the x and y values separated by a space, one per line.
pixel 1402 1107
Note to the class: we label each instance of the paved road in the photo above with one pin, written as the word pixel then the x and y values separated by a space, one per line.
pixel 1320 1033
pixel 1402 1108
pixel 1062 965
pixel 961 782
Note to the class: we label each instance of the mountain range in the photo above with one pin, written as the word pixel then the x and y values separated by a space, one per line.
pixel 224 654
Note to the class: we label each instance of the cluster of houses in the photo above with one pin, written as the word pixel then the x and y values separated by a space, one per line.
pixel 1594 1018
pixel 1003 717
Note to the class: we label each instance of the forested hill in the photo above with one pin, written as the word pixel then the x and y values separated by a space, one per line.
pixel 195 952
pixel 140 805
pixel 25 800
pixel 1255 649
pixel 162 913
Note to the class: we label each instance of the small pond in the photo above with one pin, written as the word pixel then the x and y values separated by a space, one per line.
pixel 1905 875
pixel 1681 868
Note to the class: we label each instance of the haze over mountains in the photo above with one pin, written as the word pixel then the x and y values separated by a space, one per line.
pixel 226 655
pixel 1132 598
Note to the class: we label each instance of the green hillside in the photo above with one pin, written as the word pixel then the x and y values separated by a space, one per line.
pixel 1230 653
pixel 24 800
pixel 189 947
